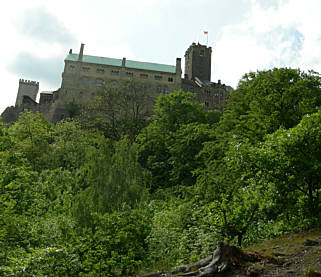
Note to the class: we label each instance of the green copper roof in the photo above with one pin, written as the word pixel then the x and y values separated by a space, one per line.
pixel 151 66
pixel 94 59
pixel 118 62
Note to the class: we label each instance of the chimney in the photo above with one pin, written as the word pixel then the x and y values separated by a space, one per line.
pixel 81 52
pixel 123 63
pixel 70 51
pixel 178 67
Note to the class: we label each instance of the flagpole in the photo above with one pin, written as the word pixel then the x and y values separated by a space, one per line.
pixel 206 33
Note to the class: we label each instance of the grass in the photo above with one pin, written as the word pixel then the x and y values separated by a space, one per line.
pixel 285 244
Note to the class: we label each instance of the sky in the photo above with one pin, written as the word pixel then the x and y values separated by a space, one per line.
pixel 245 35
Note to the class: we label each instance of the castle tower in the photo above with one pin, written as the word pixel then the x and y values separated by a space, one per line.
pixel 198 62
pixel 27 88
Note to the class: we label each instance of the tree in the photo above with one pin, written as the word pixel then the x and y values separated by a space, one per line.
pixel 114 177
pixel 267 100
pixel 176 109
pixel 167 139
pixel 71 145
pixel 263 102
pixel 32 135
pixel 288 162
pixel 119 111
pixel 186 144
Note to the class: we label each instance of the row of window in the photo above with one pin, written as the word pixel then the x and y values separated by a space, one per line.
pixel 128 74
pixel 142 76
pixel 97 83
pixel 215 94
pixel 100 83
pixel 207 92
pixel 162 90
pixel 212 105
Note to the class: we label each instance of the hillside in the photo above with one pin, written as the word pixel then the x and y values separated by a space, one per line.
pixel 295 254
pixel 117 196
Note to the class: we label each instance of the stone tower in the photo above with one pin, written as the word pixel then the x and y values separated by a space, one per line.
pixel 198 62
pixel 27 88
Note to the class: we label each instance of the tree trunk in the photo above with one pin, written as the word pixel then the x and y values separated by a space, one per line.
pixel 223 258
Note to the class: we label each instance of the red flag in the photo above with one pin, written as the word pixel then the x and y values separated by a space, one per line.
pixel 205 32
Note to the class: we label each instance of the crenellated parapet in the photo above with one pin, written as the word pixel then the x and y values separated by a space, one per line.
pixel 27 88
pixel 28 82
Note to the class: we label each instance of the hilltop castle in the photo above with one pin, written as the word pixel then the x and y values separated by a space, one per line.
pixel 84 75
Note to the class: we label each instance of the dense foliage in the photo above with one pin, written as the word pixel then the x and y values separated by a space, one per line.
pixel 118 193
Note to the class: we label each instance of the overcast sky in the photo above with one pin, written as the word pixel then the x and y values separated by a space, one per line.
pixel 245 35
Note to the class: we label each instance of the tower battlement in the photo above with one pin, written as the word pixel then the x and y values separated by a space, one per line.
pixel 28 82
pixel 27 88
pixel 198 62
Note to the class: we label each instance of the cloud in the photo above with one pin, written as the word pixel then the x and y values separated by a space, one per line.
pixel 282 35
pixel 42 26
pixel 45 70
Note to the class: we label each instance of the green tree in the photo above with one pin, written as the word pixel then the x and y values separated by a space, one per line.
pixel 184 148
pixel 233 205
pixel 114 177
pixel 263 102
pixel 72 146
pixel 32 135
pixel 267 100
pixel 119 111
pixel 167 139
pixel 288 163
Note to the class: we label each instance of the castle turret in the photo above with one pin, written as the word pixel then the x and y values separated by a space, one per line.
pixel 198 62
pixel 27 88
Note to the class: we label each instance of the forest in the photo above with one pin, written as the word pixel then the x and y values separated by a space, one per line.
pixel 114 192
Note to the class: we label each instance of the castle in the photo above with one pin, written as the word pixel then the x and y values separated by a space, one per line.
pixel 84 75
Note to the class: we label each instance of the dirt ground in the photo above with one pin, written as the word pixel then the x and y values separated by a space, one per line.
pixel 292 255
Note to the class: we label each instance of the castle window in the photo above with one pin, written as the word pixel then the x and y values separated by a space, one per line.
pixel 72 67
pixel 113 83
pixel 99 83
pixel 158 77
pixel 85 69
pixel 170 79
pixel 159 90
pixel 144 76
pixel 114 72
pixel 202 52
pixel 84 81
pixel 165 90
pixel 100 71
pixel 206 104
pixel 129 74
